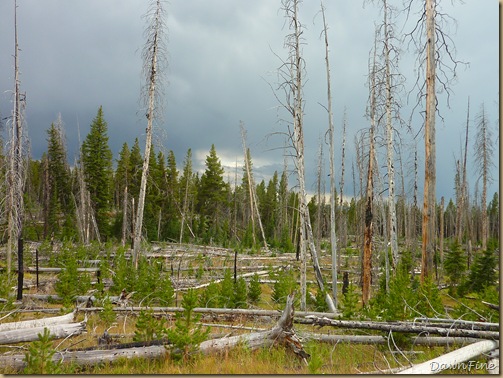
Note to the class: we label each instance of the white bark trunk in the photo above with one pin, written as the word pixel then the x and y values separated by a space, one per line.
pixel 152 82
pixel 390 142
pixel 454 359
pixel 57 331
pixel 333 238
pixel 63 319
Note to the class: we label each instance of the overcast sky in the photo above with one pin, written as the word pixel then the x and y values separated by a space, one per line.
pixel 80 54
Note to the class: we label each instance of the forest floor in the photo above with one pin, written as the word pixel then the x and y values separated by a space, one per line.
pixel 325 358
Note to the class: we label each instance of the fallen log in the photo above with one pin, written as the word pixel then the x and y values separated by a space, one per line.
pixel 299 315
pixel 377 339
pixel 260 273
pixel 469 324
pixel 90 357
pixel 493 358
pixel 282 332
pixel 400 327
pixel 57 331
pixel 78 298
pixel 456 359
pixel 491 305
pixel 63 319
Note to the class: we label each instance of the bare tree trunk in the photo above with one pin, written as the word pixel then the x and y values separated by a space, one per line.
pixel 368 230
pixel 124 217
pixel 333 238
pixel 390 142
pixel 342 218
pixel 17 171
pixel 428 230
pixel 152 53
pixel 483 156
pixel 461 214
pixel 441 242
pixel 251 189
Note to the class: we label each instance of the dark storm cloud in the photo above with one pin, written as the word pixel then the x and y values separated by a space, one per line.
pixel 77 55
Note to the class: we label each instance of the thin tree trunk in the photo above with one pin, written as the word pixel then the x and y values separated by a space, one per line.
pixel 428 230
pixel 152 51
pixel 368 230
pixel 124 217
pixel 333 238
pixel 390 147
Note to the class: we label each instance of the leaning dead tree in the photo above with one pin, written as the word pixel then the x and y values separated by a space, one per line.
pixel 292 72
pixel 251 189
pixel 154 56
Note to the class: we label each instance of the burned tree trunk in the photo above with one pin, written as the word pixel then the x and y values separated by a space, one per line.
pixel 153 55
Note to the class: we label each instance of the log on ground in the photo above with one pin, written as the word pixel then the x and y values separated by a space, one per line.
pixel 455 359
pixel 63 319
pixel 57 331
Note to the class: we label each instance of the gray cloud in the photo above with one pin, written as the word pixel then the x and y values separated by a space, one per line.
pixel 79 55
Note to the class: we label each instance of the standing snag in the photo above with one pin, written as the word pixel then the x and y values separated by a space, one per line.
pixel 154 55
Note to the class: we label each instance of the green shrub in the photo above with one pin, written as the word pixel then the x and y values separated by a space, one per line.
pixel 226 290
pixel 284 285
pixel 148 327
pixel 210 297
pixel 320 303
pixel 454 266
pixel 39 356
pixel 107 315
pixel 482 272
pixel 254 290
pixel 349 302
pixel 71 283
pixel 186 334
pixel 240 294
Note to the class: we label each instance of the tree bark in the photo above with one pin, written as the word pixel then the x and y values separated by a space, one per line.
pixel 428 231
pixel 57 331
pixel 402 327
pixel 281 333
pixel 453 359
pixel 63 319
pixel 333 238
pixel 151 54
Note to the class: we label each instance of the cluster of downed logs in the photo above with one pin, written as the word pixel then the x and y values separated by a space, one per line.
pixel 482 338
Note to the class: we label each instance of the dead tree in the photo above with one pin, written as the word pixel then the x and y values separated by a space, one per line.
pixel 291 71
pixel 461 208
pixel 484 152
pixel 154 55
pixel 333 238
pixel 16 169
pixel 437 59
pixel 369 197
pixel 251 189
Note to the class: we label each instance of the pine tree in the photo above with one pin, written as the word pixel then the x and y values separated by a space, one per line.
pixel 483 271
pixel 212 191
pixel 97 162
pixel 254 290
pixel 454 265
